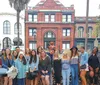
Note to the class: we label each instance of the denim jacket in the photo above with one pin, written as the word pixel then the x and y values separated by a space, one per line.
pixel 5 63
pixel 34 65
pixel 84 58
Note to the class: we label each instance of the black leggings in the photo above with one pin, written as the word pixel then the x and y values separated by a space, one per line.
pixel 94 79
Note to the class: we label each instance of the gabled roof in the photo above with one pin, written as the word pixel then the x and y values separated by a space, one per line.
pixel 51 5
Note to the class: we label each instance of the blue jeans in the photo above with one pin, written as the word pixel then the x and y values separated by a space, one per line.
pixel 66 76
pixel 21 81
pixel 74 70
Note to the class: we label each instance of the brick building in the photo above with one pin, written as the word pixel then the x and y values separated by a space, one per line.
pixel 80 32
pixel 49 21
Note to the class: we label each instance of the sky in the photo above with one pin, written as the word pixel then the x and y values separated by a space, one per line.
pixel 79 5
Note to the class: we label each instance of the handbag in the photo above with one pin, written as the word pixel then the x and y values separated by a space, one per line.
pixel 83 66
pixel 32 75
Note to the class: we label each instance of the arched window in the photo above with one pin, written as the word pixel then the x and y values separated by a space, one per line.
pixel 80 32
pixel 6 42
pixel 90 32
pixel 49 35
pixel 6 27
pixel 20 28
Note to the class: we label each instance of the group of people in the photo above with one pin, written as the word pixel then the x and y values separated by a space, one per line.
pixel 41 65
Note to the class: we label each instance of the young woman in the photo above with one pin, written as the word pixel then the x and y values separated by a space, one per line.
pixel 7 62
pixel 66 67
pixel 21 65
pixel 83 65
pixel 15 55
pixel 39 50
pixel 45 68
pixel 74 65
pixel 56 66
pixel 33 66
pixel 27 57
pixel 93 67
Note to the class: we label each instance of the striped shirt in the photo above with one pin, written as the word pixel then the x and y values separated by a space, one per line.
pixel 74 60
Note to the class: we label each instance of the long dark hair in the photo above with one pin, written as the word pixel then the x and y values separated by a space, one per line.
pixel 38 49
pixel 33 57
pixel 24 60
pixel 76 53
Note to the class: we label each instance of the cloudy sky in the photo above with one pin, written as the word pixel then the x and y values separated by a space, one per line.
pixel 80 6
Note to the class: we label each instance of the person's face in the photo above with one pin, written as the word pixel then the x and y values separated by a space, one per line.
pixel 7 51
pixel 40 49
pixel 18 50
pixel 43 54
pixel 33 53
pixel 21 56
pixel 3 51
pixel 74 50
pixel 82 50
pixel 94 50
pixel 15 53
pixel 27 50
pixel 51 51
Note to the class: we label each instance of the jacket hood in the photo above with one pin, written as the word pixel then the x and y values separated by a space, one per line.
pixel 21 52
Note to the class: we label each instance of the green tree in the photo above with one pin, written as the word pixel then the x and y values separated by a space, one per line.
pixel 96 32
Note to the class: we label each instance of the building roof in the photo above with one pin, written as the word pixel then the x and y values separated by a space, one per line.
pixel 83 19
pixel 51 5
pixel 10 14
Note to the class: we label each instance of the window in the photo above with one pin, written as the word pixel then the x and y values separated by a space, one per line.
pixel 49 35
pixel 80 44
pixel 35 18
pixel 69 18
pixel 66 18
pixel 90 32
pixel 46 18
pixel 6 42
pixel 66 32
pixel 32 32
pixel 32 45
pixel 16 30
pixel 6 27
pixel 52 18
pixel 66 45
pixel 80 32
pixel 30 17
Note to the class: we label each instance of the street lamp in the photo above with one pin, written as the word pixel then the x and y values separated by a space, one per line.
pixel 18 5
pixel 35 35
pixel 87 14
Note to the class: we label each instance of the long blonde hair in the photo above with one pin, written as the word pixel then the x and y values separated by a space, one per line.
pixel 66 53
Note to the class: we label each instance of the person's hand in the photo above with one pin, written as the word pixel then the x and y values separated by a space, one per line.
pixel 46 71
pixel 97 69
pixel 43 71
pixel 90 68
pixel 0 66
pixel 31 70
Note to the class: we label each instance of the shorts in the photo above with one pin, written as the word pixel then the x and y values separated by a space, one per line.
pixel 86 69
pixel 46 74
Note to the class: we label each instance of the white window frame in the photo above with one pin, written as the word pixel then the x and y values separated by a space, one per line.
pixel 30 17
pixel 52 18
pixel 66 45
pixel 35 18
pixel 64 18
pixel 32 45
pixel 66 32
pixel 46 18
pixel 69 18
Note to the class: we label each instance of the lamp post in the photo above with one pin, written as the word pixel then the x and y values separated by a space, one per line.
pixel 18 5
pixel 87 14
